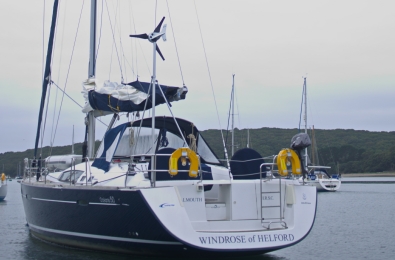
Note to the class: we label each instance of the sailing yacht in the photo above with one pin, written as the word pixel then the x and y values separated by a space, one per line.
pixel 156 187
pixel 317 175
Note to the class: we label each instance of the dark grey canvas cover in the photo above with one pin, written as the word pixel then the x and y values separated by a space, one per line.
pixel 300 141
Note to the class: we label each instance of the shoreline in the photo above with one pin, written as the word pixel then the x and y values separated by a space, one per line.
pixel 379 174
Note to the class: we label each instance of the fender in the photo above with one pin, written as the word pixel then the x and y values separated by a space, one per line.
pixel 288 155
pixel 183 153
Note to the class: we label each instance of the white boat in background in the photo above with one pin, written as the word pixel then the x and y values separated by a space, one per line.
pixel 317 175
pixel 3 191
pixel 18 178
pixel 57 163
pixel 156 187
pixel 3 187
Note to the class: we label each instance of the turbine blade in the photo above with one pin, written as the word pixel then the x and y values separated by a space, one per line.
pixel 142 36
pixel 160 53
pixel 157 29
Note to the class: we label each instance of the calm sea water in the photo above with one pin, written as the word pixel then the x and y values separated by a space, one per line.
pixel 356 222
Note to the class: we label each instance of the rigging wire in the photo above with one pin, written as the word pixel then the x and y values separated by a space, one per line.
pixel 122 56
pixel 130 29
pixel 64 93
pixel 142 52
pixel 230 107
pixel 241 133
pixel 135 56
pixel 311 115
pixel 114 43
pixel 43 124
pixel 212 89
pixel 175 121
pixel 141 118
pixel 43 40
pixel 56 96
pixel 301 106
pixel 175 44
pixel 100 32
pixel 68 70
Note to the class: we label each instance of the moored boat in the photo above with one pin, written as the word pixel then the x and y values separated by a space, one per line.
pixel 3 187
pixel 319 177
pixel 315 174
pixel 156 187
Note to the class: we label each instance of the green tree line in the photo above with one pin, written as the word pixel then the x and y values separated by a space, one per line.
pixel 350 151
pixel 11 163
pixel 346 150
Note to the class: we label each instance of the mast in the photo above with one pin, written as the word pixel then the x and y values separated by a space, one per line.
pixel 153 162
pixel 233 114
pixel 313 148
pixel 305 116
pixel 47 73
pixel 91 122
pixel 72 142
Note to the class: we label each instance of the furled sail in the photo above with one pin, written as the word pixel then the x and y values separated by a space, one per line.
pixel 130 97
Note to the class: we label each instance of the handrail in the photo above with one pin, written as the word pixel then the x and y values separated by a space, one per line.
pixel 200 171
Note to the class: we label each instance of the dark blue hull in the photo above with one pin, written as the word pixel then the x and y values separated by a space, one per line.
pixel 110 220
pixel 77 217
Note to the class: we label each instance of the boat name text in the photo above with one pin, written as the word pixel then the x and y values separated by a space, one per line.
pixel 107 200
pixel 244 239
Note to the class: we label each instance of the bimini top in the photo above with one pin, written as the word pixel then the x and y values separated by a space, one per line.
pixel 120 143
pixel 134 96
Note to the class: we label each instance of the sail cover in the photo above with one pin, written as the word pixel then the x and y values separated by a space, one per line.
pixel 130 97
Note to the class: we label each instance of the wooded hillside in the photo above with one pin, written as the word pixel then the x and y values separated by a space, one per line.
pixel 354 151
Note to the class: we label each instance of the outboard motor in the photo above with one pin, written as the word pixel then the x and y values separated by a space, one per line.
pixel 298 143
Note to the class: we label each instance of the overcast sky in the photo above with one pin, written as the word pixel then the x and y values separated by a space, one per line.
pixel 346 49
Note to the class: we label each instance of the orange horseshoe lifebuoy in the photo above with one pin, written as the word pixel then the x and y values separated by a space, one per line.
pixel 183 153
pixel 288 155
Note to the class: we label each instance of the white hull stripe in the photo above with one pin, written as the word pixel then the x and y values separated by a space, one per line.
pixel 62 201
pixel 123 239
pixel 74 202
